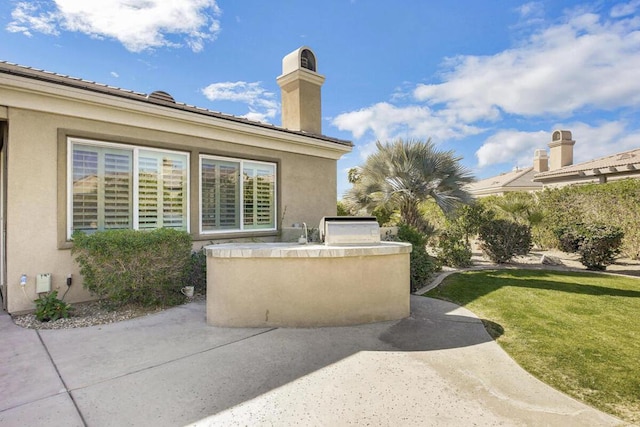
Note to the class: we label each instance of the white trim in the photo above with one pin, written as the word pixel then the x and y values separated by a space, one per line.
pixel 28 93
pixel 135 155
pixel 241 163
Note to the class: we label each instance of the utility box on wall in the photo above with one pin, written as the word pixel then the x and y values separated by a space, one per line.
pixel 43 283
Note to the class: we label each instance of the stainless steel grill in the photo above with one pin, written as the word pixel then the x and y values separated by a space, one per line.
pixel 349 230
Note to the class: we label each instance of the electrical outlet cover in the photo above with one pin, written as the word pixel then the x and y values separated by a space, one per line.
pixel 43 283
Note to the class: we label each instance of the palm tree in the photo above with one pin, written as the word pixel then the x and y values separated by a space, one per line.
pixel 403 174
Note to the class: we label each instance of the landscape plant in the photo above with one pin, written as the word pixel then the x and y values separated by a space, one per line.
pixel 501 239
pixel 401 175
pixel 597 244
pixel 130 266
pixel 421 264
pixel 523 208
pixel 453 249
pixel 574 331
pixel 196 271
pixel 614 203
pixel 50 308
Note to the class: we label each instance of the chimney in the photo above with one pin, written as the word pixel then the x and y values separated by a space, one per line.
pixel 540 161
pixel 300 86
pixel 561 153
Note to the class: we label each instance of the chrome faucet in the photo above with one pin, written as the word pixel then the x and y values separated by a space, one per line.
pixel 306 232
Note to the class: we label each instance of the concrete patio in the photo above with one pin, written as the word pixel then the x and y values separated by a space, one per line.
pixel 438 367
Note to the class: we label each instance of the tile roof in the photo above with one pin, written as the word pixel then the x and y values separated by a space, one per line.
pixel 515 179
pixel 157 98
pixel 615 163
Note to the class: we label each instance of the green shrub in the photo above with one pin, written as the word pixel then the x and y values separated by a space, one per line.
pixel 129 266
pixel 453 249
pixel 569 237
pixel 614 203
pixel 502 239
pixel 50 308
pixel 597 244
pixel 422 265
pixel 196 274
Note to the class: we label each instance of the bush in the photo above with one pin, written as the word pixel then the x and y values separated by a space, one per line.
pixel 597 244
pixel 569 237
pixel 453 249
pixel 196 273
pixel 422 265
pixel 50 308
pixel 502 239
pixel 614 203
pixel 128 266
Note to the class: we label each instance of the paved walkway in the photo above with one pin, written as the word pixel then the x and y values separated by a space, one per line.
pixel 437 368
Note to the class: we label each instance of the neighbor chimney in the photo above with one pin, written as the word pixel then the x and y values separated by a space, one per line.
pixel 300 88
pixel 561 153
pixel 540 161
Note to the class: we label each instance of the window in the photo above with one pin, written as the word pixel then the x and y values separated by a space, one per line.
pixel 114 186
pixel 237 195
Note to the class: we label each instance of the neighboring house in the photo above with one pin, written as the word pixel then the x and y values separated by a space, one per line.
pixel 560 170
pixel 516 180
pixel 78 155
pixel 556 169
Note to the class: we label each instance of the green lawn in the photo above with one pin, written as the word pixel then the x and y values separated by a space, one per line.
pixel 578 332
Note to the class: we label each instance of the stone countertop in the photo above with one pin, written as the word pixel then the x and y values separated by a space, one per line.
pixel 312 250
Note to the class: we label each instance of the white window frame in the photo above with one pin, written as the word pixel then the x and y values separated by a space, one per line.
pixel 135 149
pixel 241 228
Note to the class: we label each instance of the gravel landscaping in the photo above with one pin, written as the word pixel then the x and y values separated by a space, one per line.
pixel 90 314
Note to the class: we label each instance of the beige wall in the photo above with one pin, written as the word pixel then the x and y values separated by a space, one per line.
pixel 307 292
pixel 301 106
pixel 36 187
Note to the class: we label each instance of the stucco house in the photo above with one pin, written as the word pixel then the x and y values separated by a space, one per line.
pixel 556 169
pixel 559 171
pixel 519 179
pixel 79 155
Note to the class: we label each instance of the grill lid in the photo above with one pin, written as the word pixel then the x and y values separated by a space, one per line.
pixel 349 230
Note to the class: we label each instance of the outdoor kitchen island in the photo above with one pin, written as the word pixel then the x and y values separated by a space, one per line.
pixel 309 285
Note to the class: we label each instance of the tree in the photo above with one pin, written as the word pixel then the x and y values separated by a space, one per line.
pixel 403 174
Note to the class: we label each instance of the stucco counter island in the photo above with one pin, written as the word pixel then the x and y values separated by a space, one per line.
pixel 285 284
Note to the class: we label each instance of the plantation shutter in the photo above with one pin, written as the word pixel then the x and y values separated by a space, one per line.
pixel 259 196
pixel 149 188
pixel 102 188
pixel 85 189
pixel 117 189
pixel 220 195
pixel 162 190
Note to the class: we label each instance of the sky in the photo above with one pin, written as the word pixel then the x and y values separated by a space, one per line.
pixel 488 80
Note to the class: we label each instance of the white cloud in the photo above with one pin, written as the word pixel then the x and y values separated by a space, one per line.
pixel 387 122
pixel 605 139
pixel 533 9
pixel 511 146
pixel 583 63
pixel 625 9
pixel 262 104
pixel 25 17
pixel 517 148
pixel 114 74
pixel 137 24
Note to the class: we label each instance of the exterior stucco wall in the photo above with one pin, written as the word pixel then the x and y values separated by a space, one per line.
pixel 307 291
pixel 36 185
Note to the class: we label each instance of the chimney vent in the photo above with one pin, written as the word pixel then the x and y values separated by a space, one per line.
pixel 540 161
pixel 561 153
pixel 300 86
